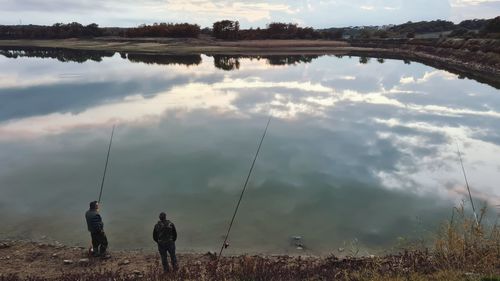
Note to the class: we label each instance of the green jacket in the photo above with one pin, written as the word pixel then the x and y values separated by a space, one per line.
pixel 164 231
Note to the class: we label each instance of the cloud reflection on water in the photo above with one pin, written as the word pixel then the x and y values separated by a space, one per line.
pixel 354 150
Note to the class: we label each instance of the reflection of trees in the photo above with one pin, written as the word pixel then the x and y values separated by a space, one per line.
pixel 364 60
pixel 165 59
pixel 226 62
pixel 63 55
pixel 80 56
pixel 231 62
pixel 287 60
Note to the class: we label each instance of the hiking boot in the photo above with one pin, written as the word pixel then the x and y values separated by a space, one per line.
pixel 93 253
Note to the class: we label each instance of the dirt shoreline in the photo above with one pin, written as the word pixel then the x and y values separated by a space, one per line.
pixel 37 261
pixel 471 63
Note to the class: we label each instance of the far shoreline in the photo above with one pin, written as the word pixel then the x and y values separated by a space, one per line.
pixel 473 64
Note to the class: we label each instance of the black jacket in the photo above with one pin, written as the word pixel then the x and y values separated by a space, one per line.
pixel 164 231
pixel 94 221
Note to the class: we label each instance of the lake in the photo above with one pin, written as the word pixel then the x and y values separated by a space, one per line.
pixel 360 154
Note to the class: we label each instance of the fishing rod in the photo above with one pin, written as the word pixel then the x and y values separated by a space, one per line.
pixel 467 184
pixel 106 165
pixel 224 244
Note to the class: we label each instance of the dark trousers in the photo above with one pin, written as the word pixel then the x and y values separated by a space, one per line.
pixel 164 248
pixel 99 243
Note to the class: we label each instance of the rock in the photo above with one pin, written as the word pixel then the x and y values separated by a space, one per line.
pixel 137 274
pixel 4 245
pixel 212 255
pixel 83 261
pixel 55 255
pixel 68 262
pixel 106 257
pixel 125 262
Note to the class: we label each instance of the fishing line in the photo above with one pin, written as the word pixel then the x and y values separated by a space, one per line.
pixel 467 184
pixel 106 165
pixel 224 245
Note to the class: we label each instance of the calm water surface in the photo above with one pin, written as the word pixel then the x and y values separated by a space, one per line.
pixel 356 152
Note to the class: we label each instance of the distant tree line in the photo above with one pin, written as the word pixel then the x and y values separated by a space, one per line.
pixel 56 31
pixel 230 30
pixel 476 24
pixel 226 29
pixel 478 28
pixel 423 27
pixel 493 25
pixel 175 30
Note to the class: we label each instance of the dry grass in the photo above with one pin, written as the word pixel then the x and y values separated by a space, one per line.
pixel 466 245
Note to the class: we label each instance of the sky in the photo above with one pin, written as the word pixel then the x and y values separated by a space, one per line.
pixel 250 13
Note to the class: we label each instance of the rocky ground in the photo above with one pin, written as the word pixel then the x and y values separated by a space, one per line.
pixel 35 261
pixel 26 258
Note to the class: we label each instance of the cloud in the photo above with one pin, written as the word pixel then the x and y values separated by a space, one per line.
pixel 371 141
pixel 469 9
pixel 77 6
pixel 367 8
pixel 355 13
pixel 250 12
pixel 465 3
pixel 298 184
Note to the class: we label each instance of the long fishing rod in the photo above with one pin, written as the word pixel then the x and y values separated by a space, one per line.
pixel 106 165
pixel 224 245
pixel 467 184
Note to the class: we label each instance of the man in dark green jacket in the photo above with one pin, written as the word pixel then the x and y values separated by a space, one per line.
pixel 164 234
pixel 96 229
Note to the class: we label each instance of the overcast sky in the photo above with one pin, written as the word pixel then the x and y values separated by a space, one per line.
pixel 316 13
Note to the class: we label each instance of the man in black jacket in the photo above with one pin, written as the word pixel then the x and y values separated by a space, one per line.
pixel 165 235
pixel 96 229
